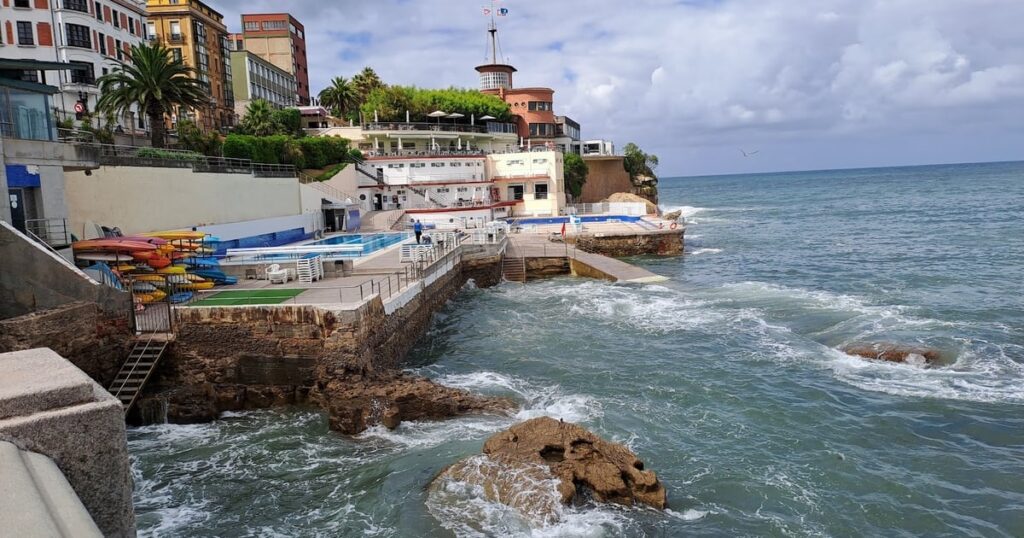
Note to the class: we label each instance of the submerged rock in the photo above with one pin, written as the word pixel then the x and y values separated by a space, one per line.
pixel 539 465
pixel 358 402
pixel 894 352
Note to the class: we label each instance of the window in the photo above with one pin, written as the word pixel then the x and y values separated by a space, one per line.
pixel 515 162
pixel 540 161
pixel 540 191
pixel 275 25
pixel 117 19
pixel 252 25
pixel 77 5
pixel 103 43
pixel 399 165
pixel 131 26
pixel 175 30
pixel 176 54
pixel 105 71
pixel 437 165
pixel 536 106
pixel 21 3
pixel 150 30
pixel 99 11
pixel 542 129
pixel 463 189
pixel 25 36
pixel 78 36
pixel 83 76
pixel 417 165
pixel 455 165
pixel 120 50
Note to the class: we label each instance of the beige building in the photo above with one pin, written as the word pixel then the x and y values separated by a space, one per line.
pixel 281 40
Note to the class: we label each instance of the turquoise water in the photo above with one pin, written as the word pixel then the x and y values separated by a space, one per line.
pixel 725 380
pixel 370 243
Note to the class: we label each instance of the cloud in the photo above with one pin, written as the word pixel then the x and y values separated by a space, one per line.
pixel 694 80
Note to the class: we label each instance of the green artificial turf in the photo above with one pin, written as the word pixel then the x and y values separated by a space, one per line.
pixel 247 297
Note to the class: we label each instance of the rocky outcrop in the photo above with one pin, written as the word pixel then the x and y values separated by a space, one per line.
pixel 652 208
pixel 539 464
pixel 673 216
pixel 360 401
pixel 894 352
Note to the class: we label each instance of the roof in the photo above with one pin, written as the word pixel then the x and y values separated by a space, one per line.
pixel 33 87
pixel 491 66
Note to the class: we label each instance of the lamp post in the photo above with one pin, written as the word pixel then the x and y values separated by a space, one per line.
pixel 131 113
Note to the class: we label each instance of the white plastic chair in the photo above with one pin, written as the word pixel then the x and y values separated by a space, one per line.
pixel 276 275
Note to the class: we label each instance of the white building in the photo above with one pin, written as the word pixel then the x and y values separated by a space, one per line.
pixel 98 34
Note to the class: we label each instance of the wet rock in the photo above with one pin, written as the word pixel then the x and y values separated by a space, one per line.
pixel 894 352
pixel 389 398
pixel 673 215
pixel 190 404
pixel 538 465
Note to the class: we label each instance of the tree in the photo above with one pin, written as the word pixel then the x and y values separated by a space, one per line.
pixel 259 118
pixel 575 173
pixel 391 103
pixel 637 163
pixel 289 121
pixel 156 82
pixel 339 97
pixel 363 83
pixel 192 138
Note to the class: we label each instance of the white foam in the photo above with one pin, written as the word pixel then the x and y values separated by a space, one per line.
pixel 699 251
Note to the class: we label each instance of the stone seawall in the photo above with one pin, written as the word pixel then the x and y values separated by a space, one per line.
pixel 252 357
pixel 94 341
pixel 661 242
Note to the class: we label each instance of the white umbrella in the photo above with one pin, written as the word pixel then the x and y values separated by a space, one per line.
pixel 487 118
pixel 438 114
pixel 454 116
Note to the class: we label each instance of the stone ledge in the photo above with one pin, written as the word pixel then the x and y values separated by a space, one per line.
pixel 38 380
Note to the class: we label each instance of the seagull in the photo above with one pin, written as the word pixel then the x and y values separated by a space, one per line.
pixel 752 153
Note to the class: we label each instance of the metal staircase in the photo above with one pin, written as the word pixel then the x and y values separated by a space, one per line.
pixel 513 269
pixel 136 371
pixel 372 173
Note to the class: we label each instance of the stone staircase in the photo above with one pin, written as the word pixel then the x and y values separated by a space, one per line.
pixel 513 269
pixel 137 369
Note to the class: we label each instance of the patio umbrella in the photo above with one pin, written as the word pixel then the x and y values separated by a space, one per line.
pixel 438 114
pixel 487 118
pixel 454 116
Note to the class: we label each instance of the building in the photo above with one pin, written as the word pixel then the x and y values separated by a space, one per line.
pixel 533 107
pixel 195 32
pixel 567 135
pixel 256 78
pixel 94 34
pixel 281 40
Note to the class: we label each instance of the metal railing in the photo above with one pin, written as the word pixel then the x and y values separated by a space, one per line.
pixel 424 126
pixel 118 155
pixel 51 232
pixel 75 135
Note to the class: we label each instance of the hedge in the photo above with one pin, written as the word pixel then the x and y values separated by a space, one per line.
pixel 306 152
pixel 155 153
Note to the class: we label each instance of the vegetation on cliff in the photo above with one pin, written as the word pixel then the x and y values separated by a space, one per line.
pixel 640 167
pixel 575 173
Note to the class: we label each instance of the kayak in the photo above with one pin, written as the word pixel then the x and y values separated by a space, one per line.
pixel 143 287
pixel 172 270
pixel 159 263
pixel 181 297
pixel 119 245
pixel 197 286
pixel 149 278
pixel 100 257
pixel 172 235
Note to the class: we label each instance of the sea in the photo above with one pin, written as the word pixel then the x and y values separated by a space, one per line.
pixel 726 380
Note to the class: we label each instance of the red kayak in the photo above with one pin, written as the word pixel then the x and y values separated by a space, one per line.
pixel 112 245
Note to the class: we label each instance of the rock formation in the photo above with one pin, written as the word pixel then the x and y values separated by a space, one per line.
pixel 673 215
pixel 359 401
pixel 536 465
pixel 893 352
pixel 652 208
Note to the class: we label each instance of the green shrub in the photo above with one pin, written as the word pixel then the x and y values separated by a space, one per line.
pixel 156 153
pixel 238 146
pixel 305 152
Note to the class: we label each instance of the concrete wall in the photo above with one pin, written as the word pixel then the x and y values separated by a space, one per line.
pixel 50 407
pixel 606 176
pixel 33 278
pixel 310 222
pixel 140 199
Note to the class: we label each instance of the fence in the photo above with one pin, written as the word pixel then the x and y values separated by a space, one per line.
pixel 117 155
pixel 633 209
pixel 51 232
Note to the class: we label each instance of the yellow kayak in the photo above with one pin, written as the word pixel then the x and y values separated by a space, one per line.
pixel 125 268
pixel 172 270
pixel 157 295
pixel 172 235
pixel 148 278
pixel 196 286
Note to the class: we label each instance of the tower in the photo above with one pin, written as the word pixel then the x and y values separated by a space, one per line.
pixel 495 77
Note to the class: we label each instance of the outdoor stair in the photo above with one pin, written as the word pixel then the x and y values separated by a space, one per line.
pixel 136 371
pixel 513 269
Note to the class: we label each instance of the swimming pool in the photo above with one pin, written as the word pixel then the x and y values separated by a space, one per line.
pixel 583 219
pixel 370 242
pixel 350 246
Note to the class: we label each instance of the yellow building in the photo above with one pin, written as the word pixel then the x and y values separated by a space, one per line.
pixel 196 33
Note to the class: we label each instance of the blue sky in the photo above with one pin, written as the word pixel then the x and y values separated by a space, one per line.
pixel 810 84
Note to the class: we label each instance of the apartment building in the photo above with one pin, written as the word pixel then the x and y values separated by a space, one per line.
pixel 97 35
pixel 256 78
pixel 196 33
pixel 281 40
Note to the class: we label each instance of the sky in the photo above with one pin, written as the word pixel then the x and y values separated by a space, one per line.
pixel 806 84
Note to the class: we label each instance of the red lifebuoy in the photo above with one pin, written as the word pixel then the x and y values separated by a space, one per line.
pixel 674 225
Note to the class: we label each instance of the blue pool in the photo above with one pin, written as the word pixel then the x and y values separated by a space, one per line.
pixel 369 244
pixel 584 219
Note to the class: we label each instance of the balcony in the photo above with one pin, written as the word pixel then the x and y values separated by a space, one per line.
pixel 425 126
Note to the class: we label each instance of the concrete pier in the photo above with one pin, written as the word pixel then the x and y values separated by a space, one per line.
pixel 581 263
pixel 51 408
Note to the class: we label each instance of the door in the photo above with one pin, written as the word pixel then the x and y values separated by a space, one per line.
pixel 515 192
pixel 17 201
pixel 378 202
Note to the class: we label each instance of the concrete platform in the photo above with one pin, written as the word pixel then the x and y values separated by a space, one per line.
pixel 50 407
pixel 582 263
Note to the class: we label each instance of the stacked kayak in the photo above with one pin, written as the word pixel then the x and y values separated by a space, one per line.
pixel 158 266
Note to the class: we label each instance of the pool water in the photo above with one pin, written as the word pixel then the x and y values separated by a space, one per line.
pixel 370 242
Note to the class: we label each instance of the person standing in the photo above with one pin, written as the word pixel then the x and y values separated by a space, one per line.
pixel 417 228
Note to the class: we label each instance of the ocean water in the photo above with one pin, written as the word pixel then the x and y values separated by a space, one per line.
pixel 726 380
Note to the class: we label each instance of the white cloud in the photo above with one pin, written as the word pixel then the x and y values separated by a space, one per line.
pixel 700 78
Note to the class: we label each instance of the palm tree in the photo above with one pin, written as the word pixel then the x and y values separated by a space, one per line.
pixel 156 82
pixel 259 118
pixel 340 96
pixel 365 82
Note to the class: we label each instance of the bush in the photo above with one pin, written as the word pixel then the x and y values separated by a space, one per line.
pixel 238 146
pixel 156 153
pixel 288 121
pixel 305 152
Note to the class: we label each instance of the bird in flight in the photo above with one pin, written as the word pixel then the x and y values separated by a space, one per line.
pixel 751 153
